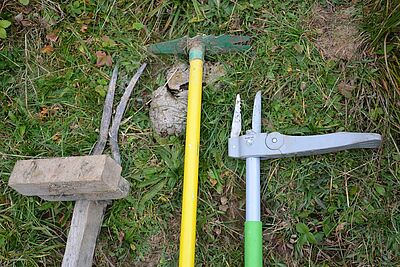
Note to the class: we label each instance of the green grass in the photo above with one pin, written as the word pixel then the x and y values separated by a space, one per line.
pixel 348 202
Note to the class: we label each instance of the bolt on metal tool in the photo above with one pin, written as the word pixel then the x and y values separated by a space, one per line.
pixel 196 47
pixel 254 146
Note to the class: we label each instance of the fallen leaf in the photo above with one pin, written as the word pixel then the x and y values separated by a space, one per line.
pixel 103 59
pixel 274 48
pixel 52 37
pixel 217 231
pixel 27 23
pixel 84 28
pixel 27 9
pixel 346 89
pixel 54 109
pixel 43 113
pixel 107 41
pixel 340 227
pixel 47 49
pixel 74 126
pixel 213 182
pixel 56 138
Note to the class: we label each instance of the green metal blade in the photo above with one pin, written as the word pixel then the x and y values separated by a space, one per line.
pixel 177 46
pixel 225 43
pixel 212 44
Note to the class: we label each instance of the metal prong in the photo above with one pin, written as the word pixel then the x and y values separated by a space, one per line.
pixel 237 119
pixel 256 120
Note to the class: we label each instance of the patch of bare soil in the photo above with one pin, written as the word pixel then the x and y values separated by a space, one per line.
pixel 338 35
pixel 163 244
pixel 173 232
pixel 152 259
pixel 280 247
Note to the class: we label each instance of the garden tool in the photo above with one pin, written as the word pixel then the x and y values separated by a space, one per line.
pixel 254 146
pixel 92 181
pixel 196 47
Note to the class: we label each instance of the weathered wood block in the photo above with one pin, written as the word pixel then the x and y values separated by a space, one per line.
pixel 70 178
pixel 121 192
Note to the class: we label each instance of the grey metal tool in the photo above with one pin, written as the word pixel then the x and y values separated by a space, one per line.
pixel 255 145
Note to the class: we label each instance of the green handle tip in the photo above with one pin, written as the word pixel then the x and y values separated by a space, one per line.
pixel 253 244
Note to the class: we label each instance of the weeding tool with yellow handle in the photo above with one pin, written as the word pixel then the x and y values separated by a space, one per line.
pixel 196 47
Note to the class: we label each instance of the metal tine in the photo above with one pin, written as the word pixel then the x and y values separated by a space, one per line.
pixel 237 119
pixel 256 120
pixel 119 112
pixel 107 113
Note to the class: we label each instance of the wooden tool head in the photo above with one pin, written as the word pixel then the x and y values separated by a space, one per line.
pixel 70 178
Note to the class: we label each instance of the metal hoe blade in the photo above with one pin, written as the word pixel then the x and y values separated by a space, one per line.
pixel 212 44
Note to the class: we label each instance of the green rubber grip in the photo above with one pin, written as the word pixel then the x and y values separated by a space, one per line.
pixel 253 244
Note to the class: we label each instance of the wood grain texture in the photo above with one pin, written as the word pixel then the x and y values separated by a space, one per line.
pixel 121 192
pixel 66 176
pixel 85 227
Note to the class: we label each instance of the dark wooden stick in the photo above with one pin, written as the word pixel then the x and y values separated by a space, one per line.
pixel 120 112
pixel 107 113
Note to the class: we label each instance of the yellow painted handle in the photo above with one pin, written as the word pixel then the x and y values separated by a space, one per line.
pixel 191 169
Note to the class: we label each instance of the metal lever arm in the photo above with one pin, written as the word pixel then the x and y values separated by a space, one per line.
pixel 276 145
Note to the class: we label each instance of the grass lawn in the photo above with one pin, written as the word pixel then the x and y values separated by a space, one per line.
pixel 338 209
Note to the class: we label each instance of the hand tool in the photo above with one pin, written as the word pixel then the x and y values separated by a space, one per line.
pixel 255 145
pixel 92 181
pixel 196 48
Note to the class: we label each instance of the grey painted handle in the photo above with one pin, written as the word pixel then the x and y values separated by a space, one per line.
pixel 276 145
